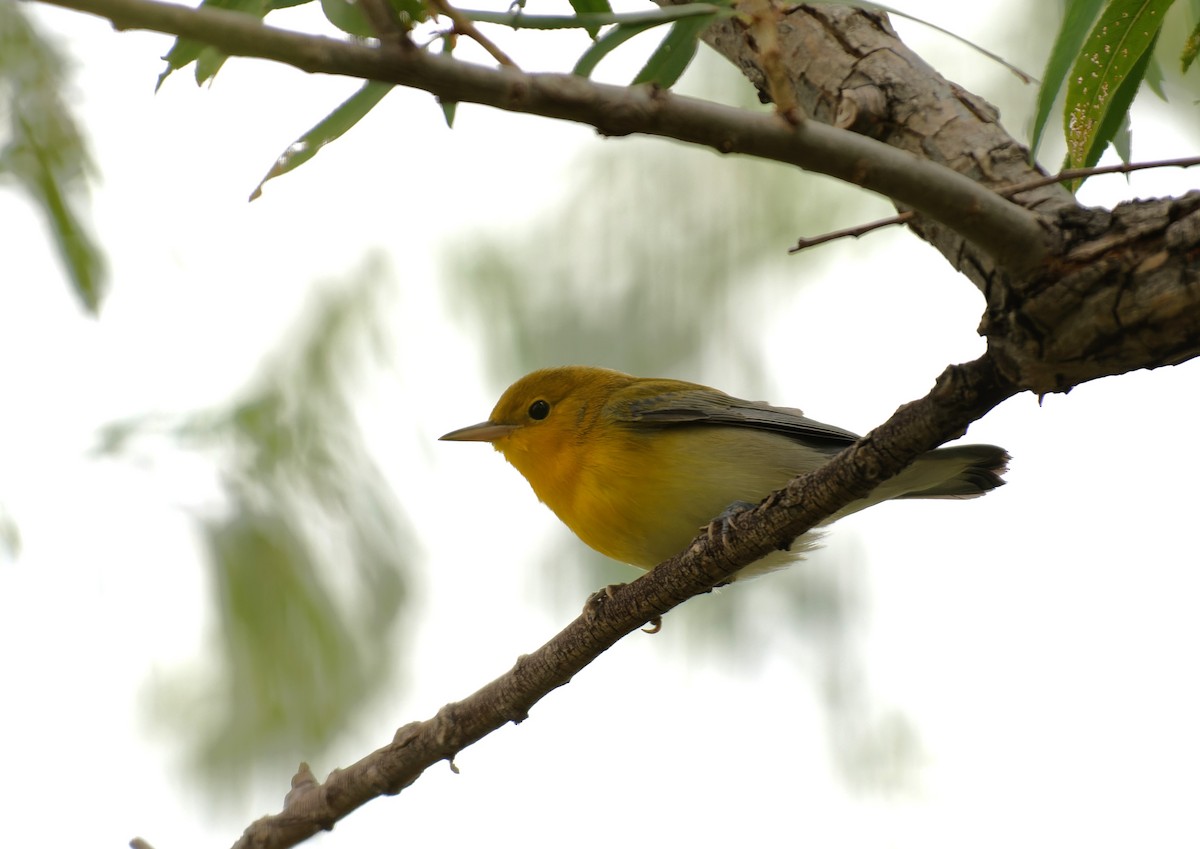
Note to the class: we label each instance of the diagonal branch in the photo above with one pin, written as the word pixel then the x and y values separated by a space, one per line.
pixel 1013 236
pixel 961 395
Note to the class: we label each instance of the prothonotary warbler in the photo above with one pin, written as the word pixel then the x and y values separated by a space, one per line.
pixel 636 466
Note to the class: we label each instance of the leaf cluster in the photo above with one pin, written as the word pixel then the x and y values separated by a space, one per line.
pixel 607 30
pixel 1102 55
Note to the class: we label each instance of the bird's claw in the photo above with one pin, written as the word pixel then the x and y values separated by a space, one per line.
pixel 728 518
pixel 591 607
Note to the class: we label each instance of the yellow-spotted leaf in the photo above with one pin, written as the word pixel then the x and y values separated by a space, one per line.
pixel 1107 74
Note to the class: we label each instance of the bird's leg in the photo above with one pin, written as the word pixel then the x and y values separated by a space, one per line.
pixel 734 508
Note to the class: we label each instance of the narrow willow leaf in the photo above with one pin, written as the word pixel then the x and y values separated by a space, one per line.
pixel 1154 77
pixel 1191 48
pixel 449 107
pixel 1107 74
pixel 611 40
pixel 670 60
pixel 1122 141
pixel 83 258
pixel 1076 23
pixel 585 7
pixel 208 62
pixel 347 17
pixel 332 127
pixel 185 50
pixel 43 150
pixel 1116 119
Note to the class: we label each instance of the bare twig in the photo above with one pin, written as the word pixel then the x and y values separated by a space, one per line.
pixel 854 232
pixel 1013 236
pixel 1009 191
pixel 465 26
pixel 1069 174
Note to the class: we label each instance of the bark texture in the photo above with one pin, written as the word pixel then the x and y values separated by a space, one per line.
pixel 1118 291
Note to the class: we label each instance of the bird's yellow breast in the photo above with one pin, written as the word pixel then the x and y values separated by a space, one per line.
pixel 640 494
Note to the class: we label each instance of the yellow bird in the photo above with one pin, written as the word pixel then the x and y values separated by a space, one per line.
pixel 636 466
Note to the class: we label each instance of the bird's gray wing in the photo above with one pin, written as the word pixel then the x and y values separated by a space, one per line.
pixel 703 406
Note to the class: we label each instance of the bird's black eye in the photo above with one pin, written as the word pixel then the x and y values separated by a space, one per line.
pixel 539 409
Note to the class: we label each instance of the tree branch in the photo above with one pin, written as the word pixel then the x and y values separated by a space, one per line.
pixel 961 395
pixel 1011 235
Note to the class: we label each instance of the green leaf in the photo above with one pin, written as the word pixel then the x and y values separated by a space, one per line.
pixel 585 7
pixel 85 263
pixel 1116 122
pixel 1077 22
pixel 1116 127
pixel 449 107
pixel 347 17
pixel 332 127
pixel 1106 75
pixel 1191 48
pixel 674 54
pixel 1122 140
pixel 612 39
pixel 1154 78
pixel 185 50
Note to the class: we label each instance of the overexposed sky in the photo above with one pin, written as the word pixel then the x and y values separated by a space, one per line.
pixel 1040 640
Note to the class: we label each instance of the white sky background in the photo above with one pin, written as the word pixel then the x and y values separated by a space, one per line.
pixel 1041 639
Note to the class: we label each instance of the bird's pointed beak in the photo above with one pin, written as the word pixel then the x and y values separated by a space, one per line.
pixel 482 432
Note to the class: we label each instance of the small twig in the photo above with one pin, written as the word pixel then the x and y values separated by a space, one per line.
pixel 855 232
pixel 1061 177
pixel 1079 173
pixel 465 26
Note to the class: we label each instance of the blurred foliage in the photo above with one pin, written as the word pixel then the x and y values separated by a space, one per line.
pixel 661 260
pixel 656 258
pixel 310 556
pixel 10 535
pixel 43 151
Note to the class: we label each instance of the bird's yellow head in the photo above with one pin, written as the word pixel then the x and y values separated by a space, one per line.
pixel 542 420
